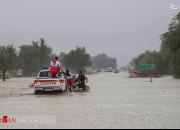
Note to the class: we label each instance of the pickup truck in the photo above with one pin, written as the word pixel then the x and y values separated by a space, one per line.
pixel 45 83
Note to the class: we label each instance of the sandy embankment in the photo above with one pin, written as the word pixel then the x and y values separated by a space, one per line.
pixel 15 87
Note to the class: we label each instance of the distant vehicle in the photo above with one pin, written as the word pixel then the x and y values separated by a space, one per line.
pixel 116 71
pixel 109 70
pixel 45 83
pixel 7 75
pixel 19 73
pixel 124 68
pixel 98 71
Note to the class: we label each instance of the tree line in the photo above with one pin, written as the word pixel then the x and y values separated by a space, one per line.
pixel 167 59
pixel 31 57
pixel 102 61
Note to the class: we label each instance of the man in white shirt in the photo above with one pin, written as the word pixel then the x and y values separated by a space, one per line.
pixel 55 62
pixel 55 66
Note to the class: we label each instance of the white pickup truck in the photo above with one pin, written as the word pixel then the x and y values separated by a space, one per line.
pixel 45 83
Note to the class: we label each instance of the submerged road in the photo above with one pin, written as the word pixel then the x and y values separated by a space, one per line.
pixel 114 101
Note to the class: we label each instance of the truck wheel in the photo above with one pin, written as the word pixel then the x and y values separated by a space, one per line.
pixel 58 91
pixel 66 89
pixel 36 92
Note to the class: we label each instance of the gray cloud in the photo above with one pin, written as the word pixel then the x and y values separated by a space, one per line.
pixel 121 28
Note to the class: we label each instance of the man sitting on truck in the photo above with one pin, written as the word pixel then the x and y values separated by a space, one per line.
pixel 55 67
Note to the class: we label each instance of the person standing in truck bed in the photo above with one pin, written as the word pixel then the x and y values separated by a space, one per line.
pixel 55 67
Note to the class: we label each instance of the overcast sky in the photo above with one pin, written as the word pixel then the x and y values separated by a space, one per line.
pixel 120 28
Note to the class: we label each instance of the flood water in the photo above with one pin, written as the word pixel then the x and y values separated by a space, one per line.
pixel 114 101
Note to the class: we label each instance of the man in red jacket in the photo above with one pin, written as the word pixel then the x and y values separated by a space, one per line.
pixel 55 67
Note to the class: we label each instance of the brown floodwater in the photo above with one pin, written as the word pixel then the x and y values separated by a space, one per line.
pixel 114 101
